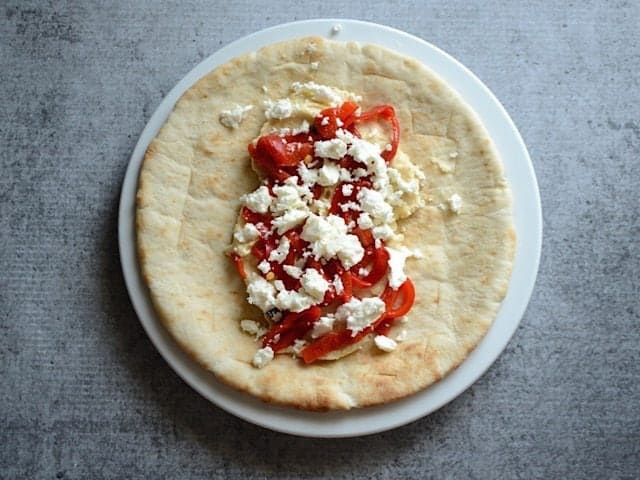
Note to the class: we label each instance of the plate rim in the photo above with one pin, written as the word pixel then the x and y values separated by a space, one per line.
pixel 528 224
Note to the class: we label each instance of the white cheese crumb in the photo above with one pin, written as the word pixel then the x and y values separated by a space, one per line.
pixel 402 336
pixel 264 89
pixel 314 283
pixel 280 109
pixel 264 266
pixel 347 189
pixel 397 259
pixel 329 174
pixel 374 204
pixel 250 326
pixel 338 285
pixel 309 176
pixel 298 345
pixel 247 233
pixel 233 117
pixel 262 357
pixel 455 203
pixel 364 221
pixel 290 219
pixel 287 199
pixel 302 128
pixel 384 343
pixel 280 253
pixel 336 29
pixel 334 148
pixel 453 155
pixel 329 238
pixel 322 326
pixel 314 65
pixel 294 301
pixel 318 93
pixel 259 200
pixel 261 293
pixel 359 314
pixel 293 271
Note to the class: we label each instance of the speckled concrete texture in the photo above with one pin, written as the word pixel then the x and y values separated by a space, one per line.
pixel 85 395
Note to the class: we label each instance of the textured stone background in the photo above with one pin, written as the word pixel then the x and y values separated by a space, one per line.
pixel 85 395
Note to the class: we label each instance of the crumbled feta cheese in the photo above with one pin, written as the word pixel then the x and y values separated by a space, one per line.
pixel 264 266
pixel 336 29
pixel 374 204
pixel 347 189
pixel 262 357
pixel 329 174
pixel 402 336
pixel 247 233
pixel 261 293
pixel 339 122
pixel 298 345
pixel 349 206
pixel 290 219
pixel 359 314
pixel 293 271
pixel 251 327
pixel 233 117
pixel 322 326
pixel 258 201
pixel 364 221
pixel 314 65
pixel 334 148
pixel 314 283
pixel 287 198
pixel 294 301
pixel 338 285
pixel 318 93
pixel 384 343
pixel 281 252
pixel 453 155
pixel 397 258
pixel 280 109
pixel 329 238
pixel 382 232
pixel 309 176
pixel 455 203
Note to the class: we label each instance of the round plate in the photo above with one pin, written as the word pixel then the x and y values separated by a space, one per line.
pixel 527 218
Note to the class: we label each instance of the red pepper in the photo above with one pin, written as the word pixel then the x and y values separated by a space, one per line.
pixel 388 113
pixel 274 154
pixel 406 292
pixel 380 258
pixel 292 326
pixel 237 260
pixel 327 128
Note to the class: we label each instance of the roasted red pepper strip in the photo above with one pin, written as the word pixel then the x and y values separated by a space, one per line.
pixel 379 257
pixel 292 326
pixel 388 113
pixel 406 292
pixel 326 122
pixel 237 260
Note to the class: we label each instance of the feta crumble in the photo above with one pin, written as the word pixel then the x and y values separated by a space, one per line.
pixel 359 314
pixel 264 266
pixel 328 174
pixel 314 284
pixel 279 110
pixel 262 357
pixel 329 239
pixel 384 343
pixel 233 117
pixel 334 148
pixel 247 233
pixel 281 252
pixel 258 201
pixel 455 203
pixel 397 259
pixel 322 326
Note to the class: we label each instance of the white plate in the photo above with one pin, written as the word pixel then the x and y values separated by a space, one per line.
pixel 527 215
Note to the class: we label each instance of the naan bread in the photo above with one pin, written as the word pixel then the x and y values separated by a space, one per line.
pixel 196 169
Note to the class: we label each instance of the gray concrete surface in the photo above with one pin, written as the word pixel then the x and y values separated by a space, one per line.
pixel 85 395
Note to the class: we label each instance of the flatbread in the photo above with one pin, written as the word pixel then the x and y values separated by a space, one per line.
pixel 196 169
